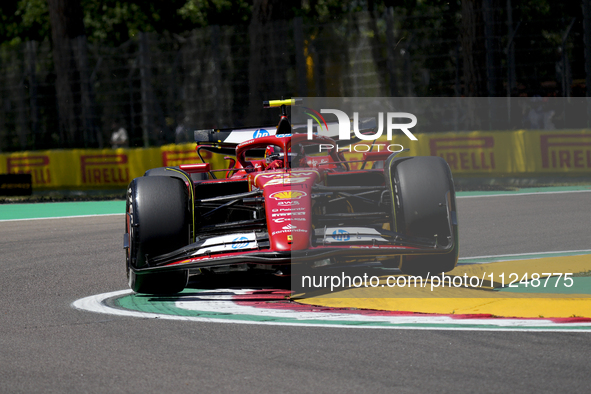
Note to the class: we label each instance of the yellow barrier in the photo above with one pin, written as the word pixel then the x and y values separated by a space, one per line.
pixel 520 152
pixel 504 153
pixel 478 153
pixel 98 168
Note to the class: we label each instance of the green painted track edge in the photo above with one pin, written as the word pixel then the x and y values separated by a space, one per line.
pixel 113 207
pixel 146 304
pixel 61 209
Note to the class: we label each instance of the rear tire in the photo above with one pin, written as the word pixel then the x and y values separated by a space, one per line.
pixel 424 205
pixel 157 222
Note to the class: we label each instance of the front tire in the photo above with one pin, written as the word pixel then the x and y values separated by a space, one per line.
pixel 424 205
pixel 157 222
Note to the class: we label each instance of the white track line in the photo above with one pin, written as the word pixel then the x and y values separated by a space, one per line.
pixel 485 195
pixel 525 194
pixel 96 304
pixel 64 217
pixel 582 251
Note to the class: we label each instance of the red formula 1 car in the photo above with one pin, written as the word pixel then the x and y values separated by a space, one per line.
pixel 287 199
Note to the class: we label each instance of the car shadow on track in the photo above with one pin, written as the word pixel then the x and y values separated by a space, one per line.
pixel 258 286
pixel 272 284
pixel 237 280
pixel 236 286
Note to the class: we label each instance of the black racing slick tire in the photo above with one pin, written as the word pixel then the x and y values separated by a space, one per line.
pixel 424 205
pixel 157 222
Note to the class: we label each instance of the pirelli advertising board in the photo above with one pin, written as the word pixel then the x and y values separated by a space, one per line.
pixel 515 137
pixel 515 153
pixel 519 153
pixel 97 169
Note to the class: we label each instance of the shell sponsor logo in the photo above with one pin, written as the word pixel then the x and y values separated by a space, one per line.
pixel 288 195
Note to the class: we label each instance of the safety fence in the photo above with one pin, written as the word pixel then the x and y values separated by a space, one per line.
pixel 520 153
pixel 154 89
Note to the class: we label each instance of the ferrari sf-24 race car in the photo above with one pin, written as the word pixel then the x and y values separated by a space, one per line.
pixel 283 201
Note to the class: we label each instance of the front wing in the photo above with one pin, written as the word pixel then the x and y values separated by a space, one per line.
pixel 255 250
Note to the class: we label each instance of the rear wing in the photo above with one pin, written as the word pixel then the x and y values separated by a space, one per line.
pixel 225 140
pixel 232 136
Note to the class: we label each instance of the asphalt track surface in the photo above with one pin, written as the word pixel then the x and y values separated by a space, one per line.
pixel 47 346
